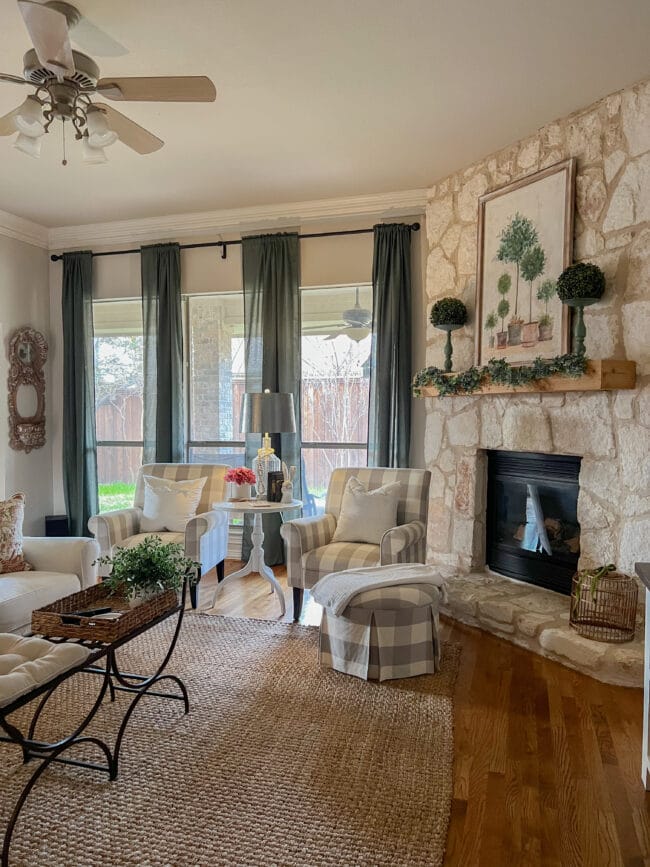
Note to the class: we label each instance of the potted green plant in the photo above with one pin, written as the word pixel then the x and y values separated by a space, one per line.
pixel 503 309
pixel 448 314
pixel 545 327
pixel 544 293
pixel 147 569
pixel 533 263
pixel 515 240
pixel 579 286
pixel 491 323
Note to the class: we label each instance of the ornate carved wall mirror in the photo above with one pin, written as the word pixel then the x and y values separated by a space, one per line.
pixel 26 384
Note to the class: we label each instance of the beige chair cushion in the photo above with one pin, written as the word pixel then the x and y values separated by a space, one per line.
pixel 22 592
pixel 396 598
pixel 132 541
pixel 338 556
pixel 27 663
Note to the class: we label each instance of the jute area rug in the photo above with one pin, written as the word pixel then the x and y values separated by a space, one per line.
pixel 278 762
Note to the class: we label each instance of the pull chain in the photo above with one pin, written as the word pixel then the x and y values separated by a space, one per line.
pixel 64 161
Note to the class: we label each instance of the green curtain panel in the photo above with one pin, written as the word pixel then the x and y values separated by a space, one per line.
pixel 79 437
pixel 271 275
pixel 163 429
pixel 390 378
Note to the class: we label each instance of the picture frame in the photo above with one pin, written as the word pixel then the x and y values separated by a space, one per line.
pixel 525 241
pixel 274 486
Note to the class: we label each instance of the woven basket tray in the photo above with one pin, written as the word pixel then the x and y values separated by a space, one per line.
pixel 47 620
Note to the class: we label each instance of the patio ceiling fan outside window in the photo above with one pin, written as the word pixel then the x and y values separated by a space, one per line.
pixel 355 322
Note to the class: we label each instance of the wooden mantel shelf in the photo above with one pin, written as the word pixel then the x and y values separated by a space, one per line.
pixel 604 374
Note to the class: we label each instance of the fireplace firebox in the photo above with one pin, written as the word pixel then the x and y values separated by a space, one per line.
pixel 533 532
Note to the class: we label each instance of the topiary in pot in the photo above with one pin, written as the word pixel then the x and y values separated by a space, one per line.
pixel 581 280
pixel 579 286
pixel 448 314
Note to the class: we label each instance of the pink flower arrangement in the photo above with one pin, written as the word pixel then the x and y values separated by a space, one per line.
pixel 240 476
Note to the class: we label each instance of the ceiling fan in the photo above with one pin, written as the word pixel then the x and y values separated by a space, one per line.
pixel 356 322
pixel 65 79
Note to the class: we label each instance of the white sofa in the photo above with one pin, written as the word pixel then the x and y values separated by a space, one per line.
pixel 60 566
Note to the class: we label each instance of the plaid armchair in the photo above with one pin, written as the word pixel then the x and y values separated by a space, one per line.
pixel 206 536
pixel 311 554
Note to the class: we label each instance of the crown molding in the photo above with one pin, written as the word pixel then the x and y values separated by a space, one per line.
pixel 237 220
pixel 20 229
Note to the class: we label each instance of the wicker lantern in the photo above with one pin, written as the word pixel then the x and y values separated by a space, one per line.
pixel 603 604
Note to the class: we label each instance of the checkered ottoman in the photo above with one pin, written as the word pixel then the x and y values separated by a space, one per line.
pixel 384 633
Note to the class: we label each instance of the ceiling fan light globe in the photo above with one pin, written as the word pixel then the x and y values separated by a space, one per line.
pixel 99 134
pixel 96 122
pixel 103 140
pixel 29 145
pixel 92 156
pixel 29 120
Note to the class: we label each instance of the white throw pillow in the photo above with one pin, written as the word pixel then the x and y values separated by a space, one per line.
pixel 366 515
pixel 169 505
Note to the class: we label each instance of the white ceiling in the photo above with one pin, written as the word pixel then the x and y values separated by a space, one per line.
pixel 321 99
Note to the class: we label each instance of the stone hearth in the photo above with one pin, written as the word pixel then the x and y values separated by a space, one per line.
pixel 538 620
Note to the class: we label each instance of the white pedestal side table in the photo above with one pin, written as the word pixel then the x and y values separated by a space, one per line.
pixel 256 560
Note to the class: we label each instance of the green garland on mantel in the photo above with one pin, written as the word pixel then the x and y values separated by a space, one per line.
pixel 498 371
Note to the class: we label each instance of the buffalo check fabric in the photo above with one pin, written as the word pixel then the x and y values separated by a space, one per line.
pixel 384 634
pixel 308 540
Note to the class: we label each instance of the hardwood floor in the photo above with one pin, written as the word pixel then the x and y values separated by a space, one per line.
pixel 547 761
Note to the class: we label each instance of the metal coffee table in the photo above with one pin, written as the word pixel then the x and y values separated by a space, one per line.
pixel 100 662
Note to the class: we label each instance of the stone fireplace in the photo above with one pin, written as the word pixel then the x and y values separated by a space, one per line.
pixel 532 529
pixel 609 429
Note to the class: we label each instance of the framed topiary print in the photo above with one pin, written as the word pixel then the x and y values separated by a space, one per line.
pixel 525 239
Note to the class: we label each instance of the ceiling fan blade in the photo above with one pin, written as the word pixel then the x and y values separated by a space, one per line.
pixel 48 30
pixel 129 132
pixel 95 41
pixel 163 88
pixel 7 125
pixel 13 79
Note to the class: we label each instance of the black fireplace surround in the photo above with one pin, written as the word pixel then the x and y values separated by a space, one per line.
pixel 532 525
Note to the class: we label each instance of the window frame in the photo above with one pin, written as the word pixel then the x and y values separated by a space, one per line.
pixel 190 443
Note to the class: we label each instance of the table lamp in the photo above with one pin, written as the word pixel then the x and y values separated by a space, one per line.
pixel 267 412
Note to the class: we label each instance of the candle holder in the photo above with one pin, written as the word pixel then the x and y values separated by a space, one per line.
pixel 579 327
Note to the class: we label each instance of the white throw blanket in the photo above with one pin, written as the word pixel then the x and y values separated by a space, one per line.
pixel 336 590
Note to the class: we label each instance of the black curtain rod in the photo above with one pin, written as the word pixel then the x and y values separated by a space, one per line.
pixel 414 227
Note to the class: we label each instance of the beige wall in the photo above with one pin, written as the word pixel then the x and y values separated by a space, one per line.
pixel 611 430
pixel 24 301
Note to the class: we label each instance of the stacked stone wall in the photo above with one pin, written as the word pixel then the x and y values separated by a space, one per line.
pixel 611 430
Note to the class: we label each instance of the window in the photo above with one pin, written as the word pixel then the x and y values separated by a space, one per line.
pixel 216 378
pixel 335 386
pixel 118 400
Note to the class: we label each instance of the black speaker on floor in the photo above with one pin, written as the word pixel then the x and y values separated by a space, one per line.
pixel 57 525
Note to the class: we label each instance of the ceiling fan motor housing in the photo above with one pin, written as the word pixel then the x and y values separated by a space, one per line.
pixel 85 76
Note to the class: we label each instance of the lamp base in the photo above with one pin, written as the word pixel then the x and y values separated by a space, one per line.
pixel 262 466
